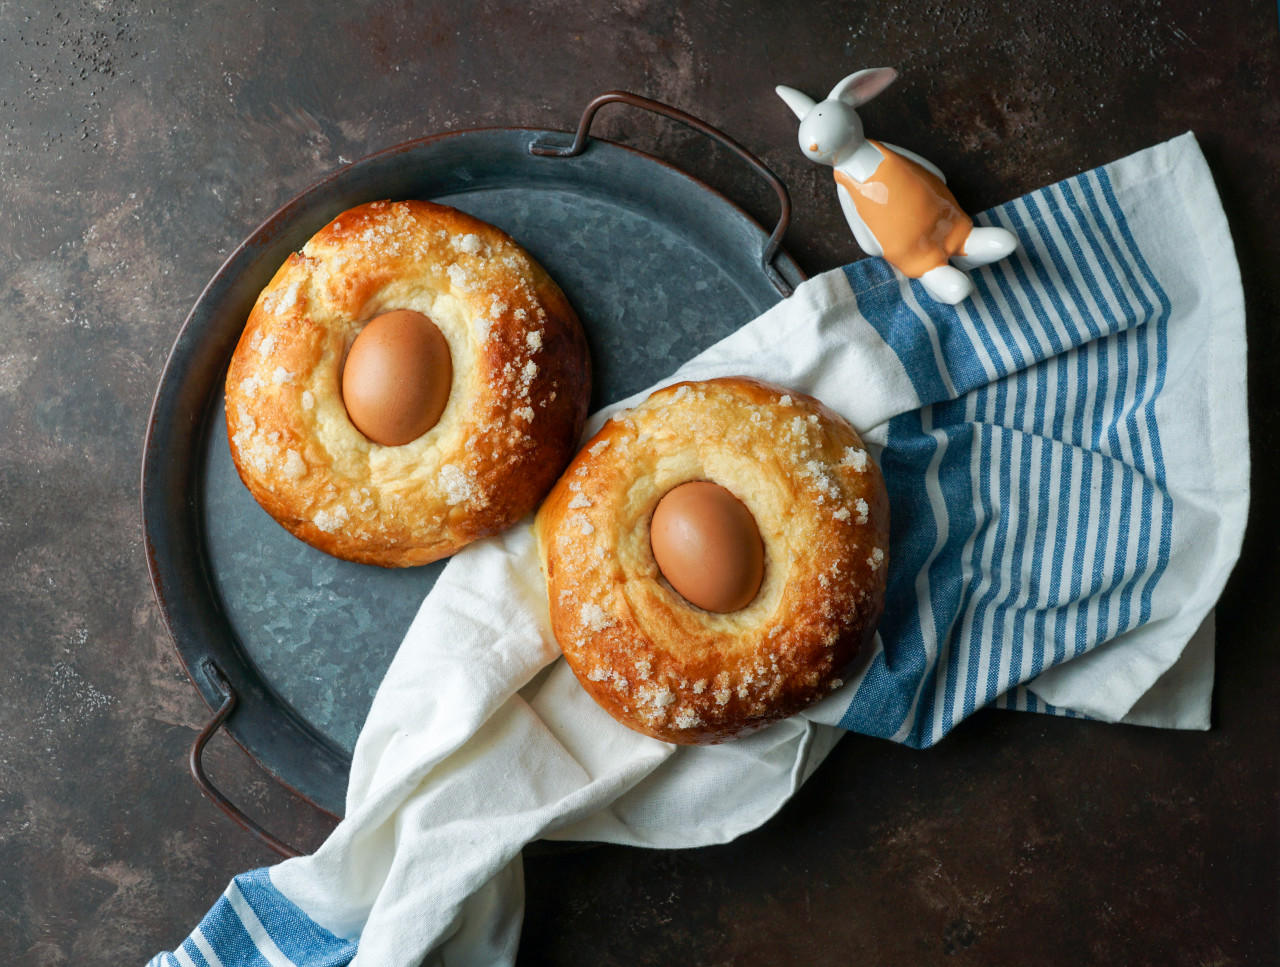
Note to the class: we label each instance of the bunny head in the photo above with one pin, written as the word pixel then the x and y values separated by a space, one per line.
pixel 831 130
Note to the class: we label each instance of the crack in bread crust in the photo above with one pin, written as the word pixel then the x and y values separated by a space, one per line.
pixel 657 663
pixel 516 406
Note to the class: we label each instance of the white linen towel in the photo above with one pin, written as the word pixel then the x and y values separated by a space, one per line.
pixel 1067 460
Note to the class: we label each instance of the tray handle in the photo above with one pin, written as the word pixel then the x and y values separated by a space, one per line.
pixel 544 149
pixel 233 812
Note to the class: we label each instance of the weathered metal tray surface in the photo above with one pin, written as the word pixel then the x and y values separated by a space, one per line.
pixel 657 265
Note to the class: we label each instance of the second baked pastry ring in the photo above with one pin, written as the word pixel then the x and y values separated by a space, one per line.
pixel 663 666
pixel 515 409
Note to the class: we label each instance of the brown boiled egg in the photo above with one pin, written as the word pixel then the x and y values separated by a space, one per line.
pixel 397 376
pixel 708 546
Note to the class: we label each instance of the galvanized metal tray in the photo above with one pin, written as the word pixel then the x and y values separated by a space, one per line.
pixel 288 644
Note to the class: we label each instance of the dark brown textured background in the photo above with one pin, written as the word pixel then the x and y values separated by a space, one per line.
pixel 139 142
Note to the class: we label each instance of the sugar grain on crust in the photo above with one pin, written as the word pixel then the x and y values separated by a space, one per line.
pixel 686 718
pixel 458 486
pixel 294 466
pixel 469 243
pixel 458 276
pixel 656 696
pixel 594 617
pixel 330 520
pixel 855 459
pixel 818 473
pixel 286 301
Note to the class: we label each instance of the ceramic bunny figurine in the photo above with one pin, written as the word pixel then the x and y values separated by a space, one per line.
pixel 896 202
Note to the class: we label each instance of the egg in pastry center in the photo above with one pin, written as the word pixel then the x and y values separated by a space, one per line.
pixel 708 546
pixel 397 377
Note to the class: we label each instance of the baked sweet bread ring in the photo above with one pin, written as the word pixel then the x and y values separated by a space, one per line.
pixel 664 666
pixel 517 399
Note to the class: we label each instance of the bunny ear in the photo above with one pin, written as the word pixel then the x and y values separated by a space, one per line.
pixel 857 89
pixel 799 102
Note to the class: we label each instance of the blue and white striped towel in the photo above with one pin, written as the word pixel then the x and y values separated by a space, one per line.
pixel 1067 461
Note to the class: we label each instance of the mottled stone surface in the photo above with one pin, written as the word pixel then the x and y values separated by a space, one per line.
pixel 140 142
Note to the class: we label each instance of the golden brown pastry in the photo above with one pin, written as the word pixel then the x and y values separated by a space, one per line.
pixel 516 366
pixel 660 664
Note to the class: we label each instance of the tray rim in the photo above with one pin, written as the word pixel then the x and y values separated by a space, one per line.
pixel 288 212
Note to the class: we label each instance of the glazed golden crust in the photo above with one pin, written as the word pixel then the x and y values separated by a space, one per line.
pixel 652 660
pixel 515 411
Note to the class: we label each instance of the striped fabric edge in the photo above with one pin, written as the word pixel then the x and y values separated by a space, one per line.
pixel 255 925
pixel 1049 376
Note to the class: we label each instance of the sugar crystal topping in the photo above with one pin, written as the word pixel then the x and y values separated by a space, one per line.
pixel 655 697
pixel 469 243
pixel 818 473
pixel 330 520
pixel 686 718
pixel 855 459
pixel 294 466
pixel 594 617
pixel 286 301
pixel 458 486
